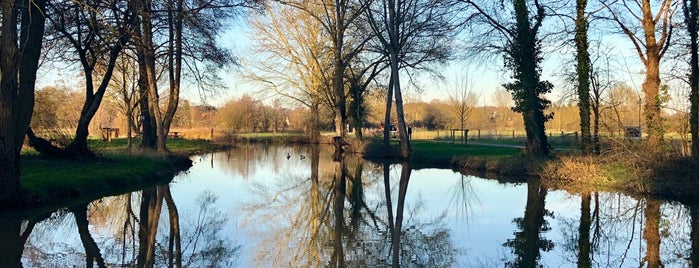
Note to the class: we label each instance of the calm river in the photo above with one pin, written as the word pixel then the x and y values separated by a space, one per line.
pixel 282 206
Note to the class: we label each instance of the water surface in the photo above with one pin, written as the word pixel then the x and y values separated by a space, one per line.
pixel 281 206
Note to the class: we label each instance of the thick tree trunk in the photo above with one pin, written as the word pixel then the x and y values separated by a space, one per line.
pixel 652 105
pixel 651 84
pixel 524 55
pixel 694 235
pixel 148 133
pixel 148 48
pixel 18 66
pixel 583 71
pixel 14 232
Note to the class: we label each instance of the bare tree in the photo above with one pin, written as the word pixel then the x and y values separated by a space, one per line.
pixel 94 35
pixel 412 34
pixel 650 35
pixel 462 99
pixel 21 33
pixel 292 59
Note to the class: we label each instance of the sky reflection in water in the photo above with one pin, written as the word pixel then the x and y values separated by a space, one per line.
pixel 269 206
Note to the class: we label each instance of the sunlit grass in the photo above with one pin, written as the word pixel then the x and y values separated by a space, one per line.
pixel 445 149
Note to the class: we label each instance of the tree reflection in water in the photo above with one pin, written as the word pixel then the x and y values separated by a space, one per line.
pixel 125 239
pixel 325 220
pixel 528 241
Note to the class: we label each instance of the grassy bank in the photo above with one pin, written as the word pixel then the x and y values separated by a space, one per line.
pixel 642 173
pixel 115 171
pixel 479 158
pixel 52 180
pixel 627 168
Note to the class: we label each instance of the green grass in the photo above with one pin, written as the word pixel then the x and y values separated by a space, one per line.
pixel 114 170
pixel 177 146
pixel 53 179
pixel 429 149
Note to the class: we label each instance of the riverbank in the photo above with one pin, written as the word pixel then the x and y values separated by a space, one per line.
pixel 116 170
pixel 632 171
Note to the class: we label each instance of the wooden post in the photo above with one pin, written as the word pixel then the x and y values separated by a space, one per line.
pixel 513 134
pixel 479 133
pixel 465 136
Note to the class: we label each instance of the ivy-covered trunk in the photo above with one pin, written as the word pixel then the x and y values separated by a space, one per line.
pixel 583 73
pixel 523 58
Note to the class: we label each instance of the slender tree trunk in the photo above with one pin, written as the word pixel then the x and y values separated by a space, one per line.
pixel 387 116
pixel 18 66
pixel 175 65
pixel 596 140
pixel 405 148
pixel 583 71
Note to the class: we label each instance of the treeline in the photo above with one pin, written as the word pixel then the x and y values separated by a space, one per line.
pixel 56 115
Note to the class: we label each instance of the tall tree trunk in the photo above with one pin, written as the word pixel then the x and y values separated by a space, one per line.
pixel 339 92
pixel 405 149
pixel 93 99
pixel 583 71
pixel 175 64
pixel 148 48
pixel 691 14
pixel 18 66
pixel 148 133
pixel 652 105
pixel 524 54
